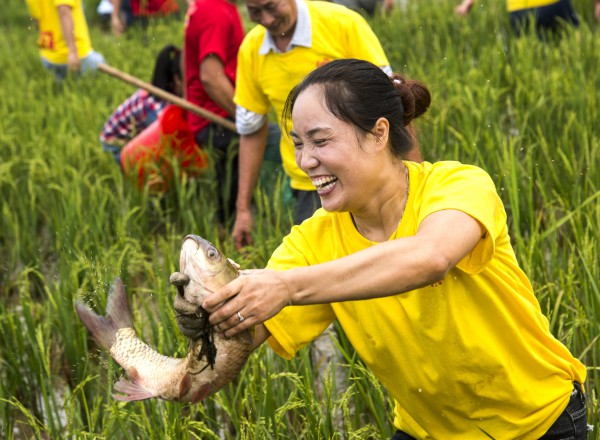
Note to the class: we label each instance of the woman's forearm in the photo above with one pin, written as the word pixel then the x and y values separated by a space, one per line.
pixel 346 279
pixel 391 267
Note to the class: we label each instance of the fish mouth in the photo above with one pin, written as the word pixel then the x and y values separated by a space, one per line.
pixel 180 279
pixel 190 247
pixel 200 242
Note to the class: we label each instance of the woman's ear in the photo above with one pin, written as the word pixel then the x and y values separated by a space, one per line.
pixel 381 131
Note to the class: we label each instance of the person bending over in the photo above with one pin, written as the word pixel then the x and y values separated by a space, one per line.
pixel 142 108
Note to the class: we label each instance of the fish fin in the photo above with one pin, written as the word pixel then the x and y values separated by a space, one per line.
pixel 118 315
pixel 201 394
pixel 185 385
pixel 131 389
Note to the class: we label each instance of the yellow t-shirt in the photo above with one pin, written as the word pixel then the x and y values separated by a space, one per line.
pixel 518 5
pixel 51 43
pixel 468 354
pixel 264 81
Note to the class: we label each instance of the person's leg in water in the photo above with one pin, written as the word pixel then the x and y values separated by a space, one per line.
pixel 60 71
pixel 224 144
pixel 553 18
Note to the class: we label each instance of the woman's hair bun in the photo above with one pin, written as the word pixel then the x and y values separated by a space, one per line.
pixel 414 95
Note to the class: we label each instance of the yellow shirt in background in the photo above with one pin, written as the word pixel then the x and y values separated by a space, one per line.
pixel 51 42
pixel 264 81
pixel 468 354
pixel 518 5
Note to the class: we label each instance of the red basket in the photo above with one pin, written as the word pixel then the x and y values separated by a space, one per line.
pixel 168 140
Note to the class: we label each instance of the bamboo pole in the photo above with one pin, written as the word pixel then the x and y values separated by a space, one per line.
pixel 174 99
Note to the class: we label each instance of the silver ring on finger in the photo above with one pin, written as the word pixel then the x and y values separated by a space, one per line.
pixel 240 316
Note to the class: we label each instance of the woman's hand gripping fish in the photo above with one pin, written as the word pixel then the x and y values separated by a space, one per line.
pixel 212 360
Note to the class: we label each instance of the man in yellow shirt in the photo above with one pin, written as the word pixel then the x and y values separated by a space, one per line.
pixel 64 39
pixel 293 38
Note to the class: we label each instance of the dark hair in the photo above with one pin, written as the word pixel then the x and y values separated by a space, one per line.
pixel 166 68
pixel 359 93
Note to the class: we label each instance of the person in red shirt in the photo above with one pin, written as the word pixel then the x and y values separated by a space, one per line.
pixel 213 33
pixel 125 12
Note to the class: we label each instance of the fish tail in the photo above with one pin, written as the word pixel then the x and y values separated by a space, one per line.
pixel 117 306
pixel 118 315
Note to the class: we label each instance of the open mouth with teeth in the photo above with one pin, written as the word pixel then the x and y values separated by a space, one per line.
pixel 324 184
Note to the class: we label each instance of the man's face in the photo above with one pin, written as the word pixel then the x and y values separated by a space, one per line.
pixel 277 16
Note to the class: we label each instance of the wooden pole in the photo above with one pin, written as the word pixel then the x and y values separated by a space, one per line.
pixel 174 99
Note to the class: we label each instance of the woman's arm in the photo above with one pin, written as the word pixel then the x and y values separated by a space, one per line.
pixel 390 268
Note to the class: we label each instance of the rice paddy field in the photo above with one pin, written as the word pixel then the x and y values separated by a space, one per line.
pixel 526 111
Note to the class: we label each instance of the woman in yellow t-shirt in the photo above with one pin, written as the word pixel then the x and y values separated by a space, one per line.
pixel 414 261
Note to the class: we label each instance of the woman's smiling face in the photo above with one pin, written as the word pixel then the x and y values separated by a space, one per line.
pixel 336 157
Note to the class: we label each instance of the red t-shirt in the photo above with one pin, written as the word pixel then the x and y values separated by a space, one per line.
pixel 212 27
pixel 153 7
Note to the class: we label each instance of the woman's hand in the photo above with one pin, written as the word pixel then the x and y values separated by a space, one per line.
pixel 256 295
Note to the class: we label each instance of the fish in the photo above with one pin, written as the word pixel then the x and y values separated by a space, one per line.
pixel 212 361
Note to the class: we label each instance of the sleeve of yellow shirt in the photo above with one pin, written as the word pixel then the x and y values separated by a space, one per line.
pixel 471 190
pixel 248 93
pixel 362 43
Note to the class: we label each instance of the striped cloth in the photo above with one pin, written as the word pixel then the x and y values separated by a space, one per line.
pixel 132 116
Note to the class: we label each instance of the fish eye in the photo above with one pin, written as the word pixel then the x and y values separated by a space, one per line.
pixel 212 253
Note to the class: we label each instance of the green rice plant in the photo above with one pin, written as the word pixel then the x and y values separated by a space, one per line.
pixel 524 110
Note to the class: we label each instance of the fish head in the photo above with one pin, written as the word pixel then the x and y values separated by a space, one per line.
pixel 202 269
